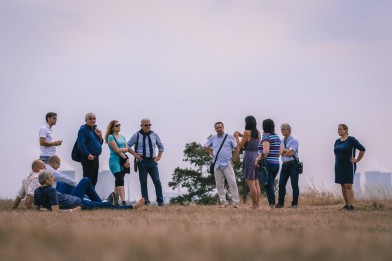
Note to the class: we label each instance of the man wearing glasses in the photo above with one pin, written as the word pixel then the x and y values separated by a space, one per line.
pixel 145 142
pixel 90 146
pixel 46 139
pixel 63 183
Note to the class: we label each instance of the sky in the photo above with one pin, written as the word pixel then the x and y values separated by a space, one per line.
pixel 188 64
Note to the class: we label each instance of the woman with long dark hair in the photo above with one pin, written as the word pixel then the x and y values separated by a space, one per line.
pixel 268 159
pixel 118 147
pixel 250 138
pixel 346 163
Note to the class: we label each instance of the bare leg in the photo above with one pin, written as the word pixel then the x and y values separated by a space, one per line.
pixel 344 194
pixel 253 193
pixel 349 194
pixel 121 191
pixel 138 203
pixel 258 192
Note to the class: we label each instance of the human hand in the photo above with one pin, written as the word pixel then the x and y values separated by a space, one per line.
pixel 157 158
pixel 353 160
pixel 90 157
pixel 127 164
pixel 98 132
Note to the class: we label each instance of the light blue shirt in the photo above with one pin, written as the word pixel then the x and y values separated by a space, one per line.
pixel 156 142
pixel 291 144
pixel 226 152
pixel 61 177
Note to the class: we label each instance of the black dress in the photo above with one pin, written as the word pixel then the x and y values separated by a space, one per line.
pixel 344 169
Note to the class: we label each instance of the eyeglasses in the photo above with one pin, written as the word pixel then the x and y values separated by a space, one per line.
pixel 91 119
pixel 147 125
pixel 118 125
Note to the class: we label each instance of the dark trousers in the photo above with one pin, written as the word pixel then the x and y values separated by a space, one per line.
pixel 64 188
pixel 90 169
pixel 85 188
pixel 289 170
pixel 267 177
pixel 150 166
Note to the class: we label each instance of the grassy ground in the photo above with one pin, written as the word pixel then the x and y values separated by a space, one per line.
pixel 317 230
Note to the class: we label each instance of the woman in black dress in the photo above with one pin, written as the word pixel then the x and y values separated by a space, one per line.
pixel 346 163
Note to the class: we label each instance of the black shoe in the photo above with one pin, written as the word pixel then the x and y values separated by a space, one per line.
pixel 294 206
pixel 351 208
pixel 124 203
pixel 278 206
pixel 160 204
pixel 345 207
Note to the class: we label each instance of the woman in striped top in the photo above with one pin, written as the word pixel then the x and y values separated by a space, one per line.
pixel 268 159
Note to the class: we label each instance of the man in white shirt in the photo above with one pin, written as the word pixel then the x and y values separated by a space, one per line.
pixel 46 139
pixel 29 184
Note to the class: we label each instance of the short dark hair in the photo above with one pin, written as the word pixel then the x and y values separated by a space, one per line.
pixel 269 126
pixel 219 122
pixel 50 115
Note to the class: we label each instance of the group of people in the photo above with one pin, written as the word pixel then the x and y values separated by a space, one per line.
pixel 261 164
pixel 46 187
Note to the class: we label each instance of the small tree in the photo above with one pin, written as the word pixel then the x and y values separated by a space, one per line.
pixel 199 183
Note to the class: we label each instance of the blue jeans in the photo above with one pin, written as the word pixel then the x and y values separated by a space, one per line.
pixel 267 176
pixel 44 159
pixel 150 166
pixel 84 188
pixel 64 188
pixel 289 170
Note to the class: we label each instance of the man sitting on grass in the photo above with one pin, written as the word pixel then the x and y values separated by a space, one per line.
pixel 46 196
pixel 29 184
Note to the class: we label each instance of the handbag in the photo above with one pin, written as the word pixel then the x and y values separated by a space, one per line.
pixel 263 172
pixel 135 149
pixel 76 155
pixel 212 166
pixel 300 165
pixel 125 170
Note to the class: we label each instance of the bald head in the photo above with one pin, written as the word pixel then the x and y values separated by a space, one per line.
pixel 38 165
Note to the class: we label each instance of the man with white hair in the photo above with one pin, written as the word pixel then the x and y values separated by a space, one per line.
pixel 89 144
pixel 145 142
pixel 289 167
pixel 29 184
pixel 46 196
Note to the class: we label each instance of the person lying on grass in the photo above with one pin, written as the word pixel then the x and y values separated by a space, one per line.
pixel 46 196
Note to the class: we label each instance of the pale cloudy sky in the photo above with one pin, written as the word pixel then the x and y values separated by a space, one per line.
pixel 188 64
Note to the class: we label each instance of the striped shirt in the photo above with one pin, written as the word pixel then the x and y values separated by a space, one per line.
pixel 273 155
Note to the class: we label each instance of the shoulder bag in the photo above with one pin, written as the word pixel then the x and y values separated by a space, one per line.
pixel 212 166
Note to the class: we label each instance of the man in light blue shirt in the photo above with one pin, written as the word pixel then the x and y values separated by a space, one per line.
pixel 145 142
pixel 63 183
pixel 289 167
pixel 223 166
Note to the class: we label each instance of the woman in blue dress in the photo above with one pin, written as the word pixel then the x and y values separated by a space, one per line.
pixel 346 163
pixel 118 147
pixel 250 140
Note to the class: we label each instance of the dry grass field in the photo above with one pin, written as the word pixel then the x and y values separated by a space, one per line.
pixel 317 230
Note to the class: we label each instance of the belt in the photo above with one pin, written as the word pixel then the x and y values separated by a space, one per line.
pixel 147 158
pixel 288 162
